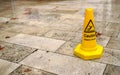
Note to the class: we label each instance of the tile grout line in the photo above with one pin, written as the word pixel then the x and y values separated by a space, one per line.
pixel 108 42
pixel 37 68
pixel 27 55
pixel 105 69
pixel 14 70
pixel 52 52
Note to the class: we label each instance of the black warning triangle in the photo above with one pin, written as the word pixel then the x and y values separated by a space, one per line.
pixel 90 27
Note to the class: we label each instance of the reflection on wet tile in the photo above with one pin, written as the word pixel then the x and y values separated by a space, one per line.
pixel 65 10
pixel 33 30
pixel 25 70
pixel 63 35
pixel 36 42
pixel 110 56
pixel 5 35
pixel 112 70
pixel 63 26
pixel 4 20
pixel 114 43
pixel 72 20
pixel 5 26
pixel 62 65
pixel 51 18
pixel 14 53
pixel 7 67
pixel 34 15
pixel 45 17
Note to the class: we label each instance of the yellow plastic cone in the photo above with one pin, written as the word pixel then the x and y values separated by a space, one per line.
pixel 89 49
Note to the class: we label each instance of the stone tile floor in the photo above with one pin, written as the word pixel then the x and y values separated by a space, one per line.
pixel 41 37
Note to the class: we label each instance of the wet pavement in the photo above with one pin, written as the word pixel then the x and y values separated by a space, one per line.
pixel 38 37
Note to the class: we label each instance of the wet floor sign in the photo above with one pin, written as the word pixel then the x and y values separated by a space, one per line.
pixel 88 49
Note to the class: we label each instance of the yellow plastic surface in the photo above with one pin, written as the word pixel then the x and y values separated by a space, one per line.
pixel 88 49
pixel 88 54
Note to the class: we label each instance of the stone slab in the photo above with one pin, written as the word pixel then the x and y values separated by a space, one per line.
pixel 50 18
pixel 110 33
pixel 112 70
pixel 65 10
pixel 13 52
pixel 3 19
pixel 67 48
pixel 25 70
pixel 63 65
pixel 63 35
pixel 119 35
pixel 103 40
pixel 6 25
pixel 63 26
pixel 32 30
pixel 5 35
pixel 72 20
pixel 114 43
pixel 100 26
pixel 36 42
pixel 110 56
pixel 7 67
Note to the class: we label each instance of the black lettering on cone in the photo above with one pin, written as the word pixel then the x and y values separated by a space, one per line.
pixel 89 36
pixel 90 39
pixel 90 27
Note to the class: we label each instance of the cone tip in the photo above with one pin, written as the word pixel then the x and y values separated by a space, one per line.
pixel 89 9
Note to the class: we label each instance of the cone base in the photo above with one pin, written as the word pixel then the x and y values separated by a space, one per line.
pixel 86 55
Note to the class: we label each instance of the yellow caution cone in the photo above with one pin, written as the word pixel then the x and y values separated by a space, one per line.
pixel 89 49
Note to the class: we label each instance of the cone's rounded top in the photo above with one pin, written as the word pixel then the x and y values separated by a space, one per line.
pixel 89 9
